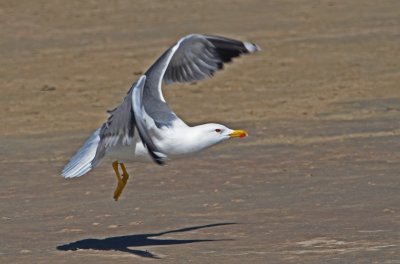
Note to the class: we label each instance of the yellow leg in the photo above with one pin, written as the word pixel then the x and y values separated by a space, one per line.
pixel 121 180
pixel 125 175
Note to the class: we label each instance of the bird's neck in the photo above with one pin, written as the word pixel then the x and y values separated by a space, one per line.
pixel 184 141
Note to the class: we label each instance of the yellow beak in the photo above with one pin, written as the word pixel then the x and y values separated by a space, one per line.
pixel 238 133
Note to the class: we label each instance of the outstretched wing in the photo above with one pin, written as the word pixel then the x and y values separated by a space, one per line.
pixel 192 58
pixel 200 56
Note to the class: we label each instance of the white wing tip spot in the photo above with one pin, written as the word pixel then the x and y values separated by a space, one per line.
pixel 251 47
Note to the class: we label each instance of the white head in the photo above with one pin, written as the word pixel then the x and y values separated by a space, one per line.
pixel 207 135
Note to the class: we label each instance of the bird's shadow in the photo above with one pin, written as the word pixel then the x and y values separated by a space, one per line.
pixel 123 243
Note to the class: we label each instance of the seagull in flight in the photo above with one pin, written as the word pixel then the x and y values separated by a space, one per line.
pixel 143 126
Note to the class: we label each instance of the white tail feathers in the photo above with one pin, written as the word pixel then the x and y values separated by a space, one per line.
pixel 81 162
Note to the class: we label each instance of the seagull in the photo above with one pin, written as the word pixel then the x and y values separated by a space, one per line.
pixel 143 126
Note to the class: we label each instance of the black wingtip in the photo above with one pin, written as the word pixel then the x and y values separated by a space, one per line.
pixel 156 158
pixel 160 162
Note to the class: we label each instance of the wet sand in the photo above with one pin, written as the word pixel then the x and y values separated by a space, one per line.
pixel 316 182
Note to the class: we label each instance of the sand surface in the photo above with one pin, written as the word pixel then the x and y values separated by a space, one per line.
pixel 316 182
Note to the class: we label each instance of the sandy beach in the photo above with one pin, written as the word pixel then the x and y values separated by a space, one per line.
pixel 317 181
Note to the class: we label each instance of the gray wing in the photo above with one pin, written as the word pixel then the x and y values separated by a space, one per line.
pixel 192 58
pixel 200 56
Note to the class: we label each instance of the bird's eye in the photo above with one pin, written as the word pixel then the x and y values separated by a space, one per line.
pixel 218 130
